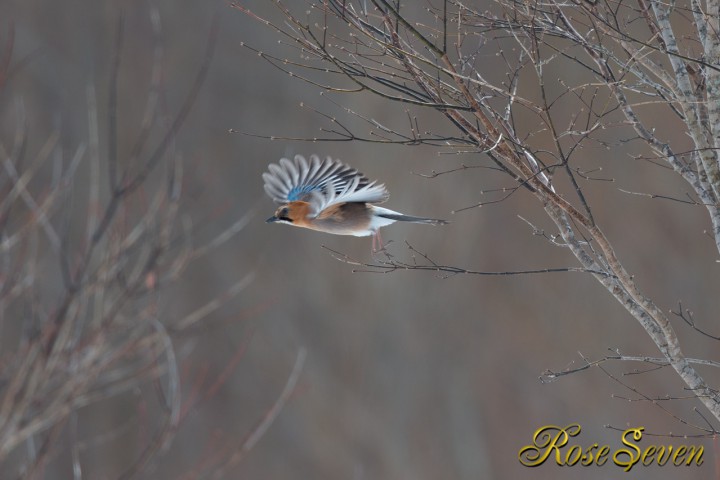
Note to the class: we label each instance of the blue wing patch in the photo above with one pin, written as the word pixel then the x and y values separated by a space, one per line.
pixel 296 193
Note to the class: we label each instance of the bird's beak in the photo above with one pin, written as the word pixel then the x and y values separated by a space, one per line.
pixel 272 219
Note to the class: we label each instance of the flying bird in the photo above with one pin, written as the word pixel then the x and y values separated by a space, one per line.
pixel 329 196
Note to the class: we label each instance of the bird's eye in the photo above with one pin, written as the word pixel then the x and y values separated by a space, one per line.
pixel 282 214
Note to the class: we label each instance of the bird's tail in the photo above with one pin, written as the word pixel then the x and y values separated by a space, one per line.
pixel 407 218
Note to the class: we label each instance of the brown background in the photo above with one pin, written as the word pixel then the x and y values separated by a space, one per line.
pixel 408 375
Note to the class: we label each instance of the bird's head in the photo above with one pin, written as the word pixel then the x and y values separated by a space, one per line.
pixel 293 213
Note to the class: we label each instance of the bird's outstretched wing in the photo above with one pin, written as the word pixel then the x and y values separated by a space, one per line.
pixel 321 183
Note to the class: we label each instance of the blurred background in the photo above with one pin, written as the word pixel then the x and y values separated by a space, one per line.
pixel 407 374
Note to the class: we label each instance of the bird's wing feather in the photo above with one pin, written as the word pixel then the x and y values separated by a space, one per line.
pixel 321 183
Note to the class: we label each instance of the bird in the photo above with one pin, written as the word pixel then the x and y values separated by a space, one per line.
pixel 330 196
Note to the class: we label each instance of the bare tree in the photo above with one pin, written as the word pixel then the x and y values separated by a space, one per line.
pixel 632 63
pixel 90 247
